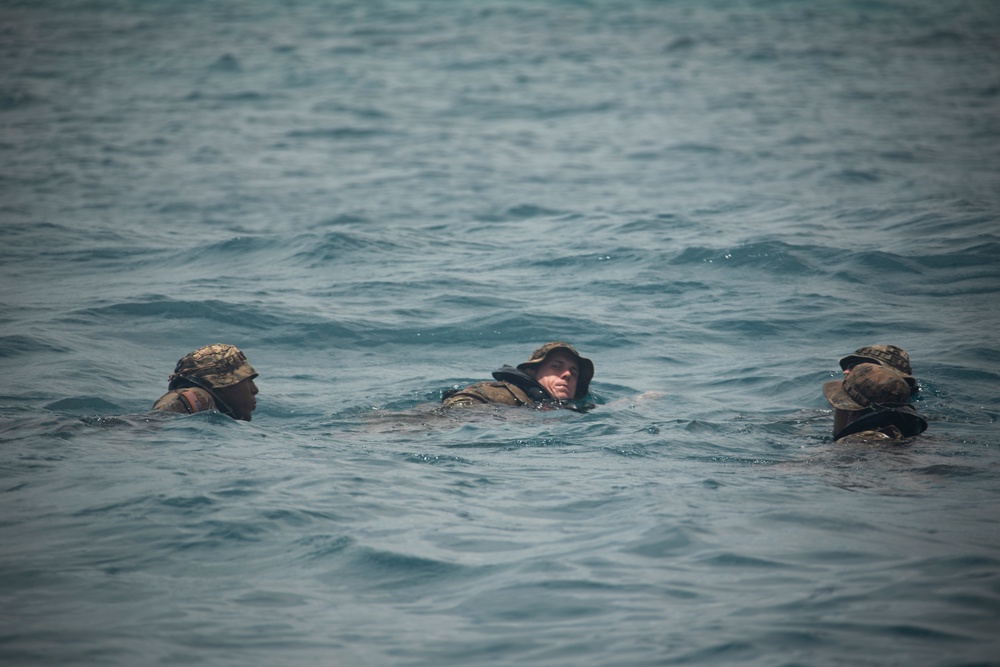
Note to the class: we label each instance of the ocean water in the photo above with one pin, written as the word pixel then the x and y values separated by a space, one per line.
pixel 378 200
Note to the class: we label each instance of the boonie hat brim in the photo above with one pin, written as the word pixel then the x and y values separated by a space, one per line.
pixel 854 360
pixel 838 398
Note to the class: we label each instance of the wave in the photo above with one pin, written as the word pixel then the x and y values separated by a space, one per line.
pixel 14 345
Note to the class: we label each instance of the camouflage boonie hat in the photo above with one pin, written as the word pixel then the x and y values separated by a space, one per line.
pixel 868 385
pixel 216 365
pixel 885 355
pixel 586 365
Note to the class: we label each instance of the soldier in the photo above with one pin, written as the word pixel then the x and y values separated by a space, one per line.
pixel 214 377
pixel 554 376
pixel 885 355
pixel 872 404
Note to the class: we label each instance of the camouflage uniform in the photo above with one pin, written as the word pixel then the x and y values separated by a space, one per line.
pixel 198 373
pixel 185 401
pixel 879 399
pixel 501 392
pixel 884 355
pixel 515 387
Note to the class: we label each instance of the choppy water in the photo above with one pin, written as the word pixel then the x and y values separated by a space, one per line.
pixel 380 200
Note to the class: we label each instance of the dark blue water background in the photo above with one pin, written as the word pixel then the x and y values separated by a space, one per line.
pixel 379 200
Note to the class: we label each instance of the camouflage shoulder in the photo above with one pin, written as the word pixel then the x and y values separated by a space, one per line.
pixel 889 435
pixel 185 401
pixel 484 393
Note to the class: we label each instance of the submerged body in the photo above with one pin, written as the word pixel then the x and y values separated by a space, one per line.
pixel 872 405
pixel 554 376
pixel 214 377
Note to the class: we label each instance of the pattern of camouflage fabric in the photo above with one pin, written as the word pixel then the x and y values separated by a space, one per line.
pixel 886 435
pixel 217 365
pixel 867 385
pixel 886 355
pixel 482 393
pixel 586 366
pixel 185 401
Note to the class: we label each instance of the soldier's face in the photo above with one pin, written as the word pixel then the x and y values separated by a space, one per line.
pixel 558 374
pixel 240 398
pixel 847 371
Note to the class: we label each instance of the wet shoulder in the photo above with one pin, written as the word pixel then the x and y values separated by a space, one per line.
pixel 484 393
pixel 185 401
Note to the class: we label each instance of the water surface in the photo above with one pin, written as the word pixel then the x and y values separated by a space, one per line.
pixel 377 201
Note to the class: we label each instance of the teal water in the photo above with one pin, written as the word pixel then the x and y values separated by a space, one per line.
pixel 377 201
